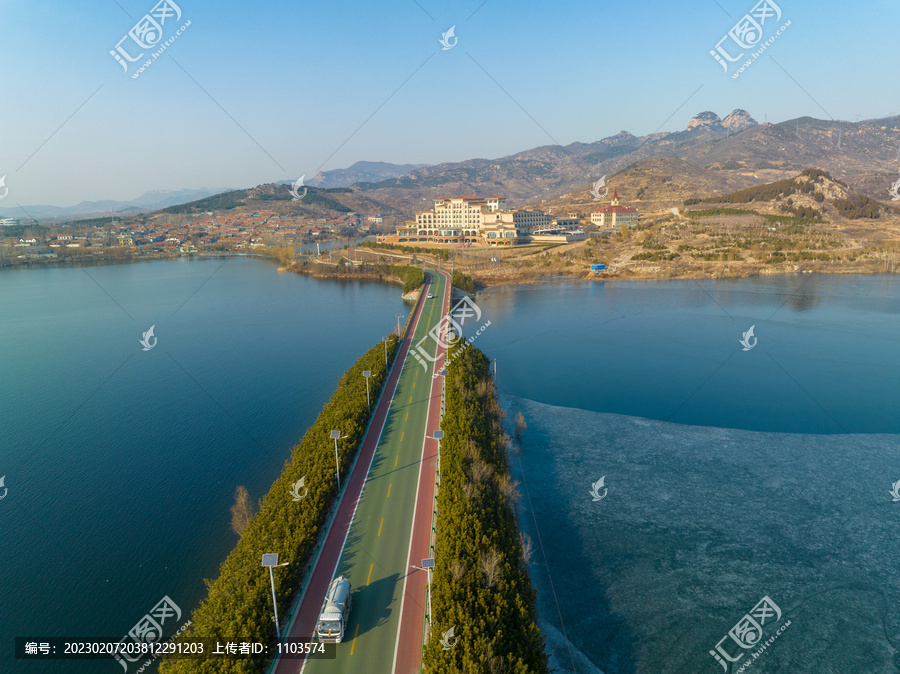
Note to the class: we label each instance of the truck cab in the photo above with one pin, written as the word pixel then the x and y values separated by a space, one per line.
pixel 335 612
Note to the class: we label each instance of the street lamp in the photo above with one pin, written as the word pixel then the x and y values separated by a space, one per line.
pixel 336 435
pixel 399 316
pixel 439 435
pixel 367 374
pixel 385 340
pixel 427 565
pixel 271 560
pixel 444 372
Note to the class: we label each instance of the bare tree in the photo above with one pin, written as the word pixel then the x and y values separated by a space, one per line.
pixel 520 426
pixel 242 511
pixel 527 547
pixel 457 570
pixel 491 562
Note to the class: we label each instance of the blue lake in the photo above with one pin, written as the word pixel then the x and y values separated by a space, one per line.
pixel 824 361
pixel 735 482
pixel 121 464
pixel 732 474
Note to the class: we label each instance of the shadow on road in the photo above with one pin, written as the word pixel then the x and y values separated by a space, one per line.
pixel 371 605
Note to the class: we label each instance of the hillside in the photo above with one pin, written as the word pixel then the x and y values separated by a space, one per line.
pixel 362 171
pixel 729 154
pixel 318 202
pixel 808 222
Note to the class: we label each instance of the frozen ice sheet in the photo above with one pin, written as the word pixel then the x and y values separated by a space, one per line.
pixel 696 526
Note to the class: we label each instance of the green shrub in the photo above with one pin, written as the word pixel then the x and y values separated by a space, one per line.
pixel 480 584
pixel 239 601
pixel 463 282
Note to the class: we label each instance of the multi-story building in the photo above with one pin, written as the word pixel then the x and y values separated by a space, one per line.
pixel 467 220
pixel 614 215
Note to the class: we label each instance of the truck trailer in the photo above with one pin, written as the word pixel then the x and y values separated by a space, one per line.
pixel 335 612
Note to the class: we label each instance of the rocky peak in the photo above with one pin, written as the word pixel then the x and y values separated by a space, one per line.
pixel 621 138
pixel 705 120
pixel 738 120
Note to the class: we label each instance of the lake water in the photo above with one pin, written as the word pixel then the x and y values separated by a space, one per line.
pixel 121 464
pixel 729 475
pixel 824 361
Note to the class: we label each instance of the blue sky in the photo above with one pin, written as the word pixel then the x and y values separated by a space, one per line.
pixel 274 90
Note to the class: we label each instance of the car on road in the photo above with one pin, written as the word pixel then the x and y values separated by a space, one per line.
pixel 430 296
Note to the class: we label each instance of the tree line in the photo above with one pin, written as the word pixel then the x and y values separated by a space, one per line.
pixel 463 281
pixel 480 585
pixel 239 602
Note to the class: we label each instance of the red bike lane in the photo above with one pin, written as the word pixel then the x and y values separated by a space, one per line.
pixel 414 603
pixel 307 613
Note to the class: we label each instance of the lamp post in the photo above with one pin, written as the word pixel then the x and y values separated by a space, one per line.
pixel 336 435
pixel 439 435
pixel 399 316
pixel 367 374
pixel 271 560
pixel 427 565
pixel 385 340
pixel 444 372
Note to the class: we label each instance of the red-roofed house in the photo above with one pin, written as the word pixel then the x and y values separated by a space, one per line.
pixel 614 215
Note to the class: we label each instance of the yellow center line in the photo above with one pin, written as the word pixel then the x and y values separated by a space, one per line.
pixel 401 436
pixel 371 566
pixel 407 417
pixel 353 645
pixel 414 383
pixel 389 489
pixel 396 460
pixel 380 525
pixel 410 397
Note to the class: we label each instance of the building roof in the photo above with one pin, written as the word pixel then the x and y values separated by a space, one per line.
pixel 616 209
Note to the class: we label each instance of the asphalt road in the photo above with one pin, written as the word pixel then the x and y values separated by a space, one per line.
pixel 374 546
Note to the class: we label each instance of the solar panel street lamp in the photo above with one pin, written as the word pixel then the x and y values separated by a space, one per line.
pixel 271 560
pixel 385 340
pixel 427 565
pixel 336 435
pixel 439 435
pixel 367 374
pixel 399 316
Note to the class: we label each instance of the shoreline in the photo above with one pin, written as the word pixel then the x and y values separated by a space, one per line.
pixel 491 280
pixel 112 262
pixel 494 280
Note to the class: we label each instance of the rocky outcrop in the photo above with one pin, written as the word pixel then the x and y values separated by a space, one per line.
pixel 705 121
pixel 738 120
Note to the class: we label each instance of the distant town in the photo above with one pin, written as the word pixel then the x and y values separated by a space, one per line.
pixel 458 221
pixel 166 234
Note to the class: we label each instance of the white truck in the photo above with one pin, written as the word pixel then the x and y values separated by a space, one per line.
pixel 335 612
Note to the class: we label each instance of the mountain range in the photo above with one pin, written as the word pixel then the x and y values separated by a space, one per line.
pixel 711 156
pixel 148 201
pixel 362 171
